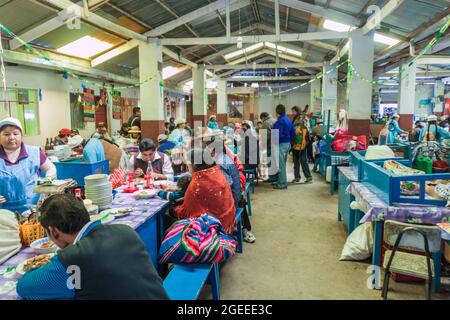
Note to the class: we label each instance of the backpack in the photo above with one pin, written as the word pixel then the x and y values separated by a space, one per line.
pixel 301 138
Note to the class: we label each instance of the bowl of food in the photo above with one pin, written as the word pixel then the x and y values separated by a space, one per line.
pixel 43 245
pixel 144 194
pixel 34 262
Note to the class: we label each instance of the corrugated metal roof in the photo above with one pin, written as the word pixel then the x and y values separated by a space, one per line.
pixel 30 14
pixel 408 17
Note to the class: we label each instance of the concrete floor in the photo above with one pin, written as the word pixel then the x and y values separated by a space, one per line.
pixel 297 250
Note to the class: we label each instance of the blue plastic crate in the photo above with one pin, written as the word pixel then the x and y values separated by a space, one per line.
pixel 77 170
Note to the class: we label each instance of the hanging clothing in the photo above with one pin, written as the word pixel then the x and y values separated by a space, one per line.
pixel 18 180
pixel 393 130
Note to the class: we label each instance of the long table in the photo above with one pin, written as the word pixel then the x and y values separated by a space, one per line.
pixel 146 218
pixel 377 211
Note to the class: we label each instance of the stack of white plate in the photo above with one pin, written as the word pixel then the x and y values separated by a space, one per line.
pixel 98 189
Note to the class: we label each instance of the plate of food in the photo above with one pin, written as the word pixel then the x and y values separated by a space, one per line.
pixel 34 262
pixel 144 194
pixel 43 245
pixel 118 212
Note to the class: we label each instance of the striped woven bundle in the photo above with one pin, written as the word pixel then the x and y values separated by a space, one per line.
pixel 197 240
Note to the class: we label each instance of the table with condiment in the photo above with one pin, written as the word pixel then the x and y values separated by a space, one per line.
pixel 146 218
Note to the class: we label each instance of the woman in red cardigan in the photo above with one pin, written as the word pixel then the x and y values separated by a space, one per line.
pixel 208 192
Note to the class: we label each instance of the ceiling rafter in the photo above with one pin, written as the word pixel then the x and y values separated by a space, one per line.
pixel 172 12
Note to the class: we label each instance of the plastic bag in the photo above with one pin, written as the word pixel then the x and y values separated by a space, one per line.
pixel 9 235
pixel 359 243
pixel 379 152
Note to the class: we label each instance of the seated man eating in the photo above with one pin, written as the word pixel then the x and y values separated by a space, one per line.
pixel 160 162
pixel 95 261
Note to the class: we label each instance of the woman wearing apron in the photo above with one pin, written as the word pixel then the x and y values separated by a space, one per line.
pixel 19 168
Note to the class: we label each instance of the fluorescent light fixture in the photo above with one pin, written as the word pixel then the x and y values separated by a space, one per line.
pixel 424 78
pixel 336 26
pixel 430 83
pixel 259 45
pixel 342 27
pixel 385 39
pixel 383 78
pixel 169 71
pixel 389 91
pixel 85 47
pixel 393 71
pixel 241 52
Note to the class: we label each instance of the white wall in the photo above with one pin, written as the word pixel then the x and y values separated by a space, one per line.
pixel 54 109
pixel 423 92
pixel 268 103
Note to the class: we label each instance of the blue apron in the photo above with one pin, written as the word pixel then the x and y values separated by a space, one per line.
pixel 18 181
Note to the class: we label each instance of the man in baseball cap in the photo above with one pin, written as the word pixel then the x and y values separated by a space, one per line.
pixel 63 136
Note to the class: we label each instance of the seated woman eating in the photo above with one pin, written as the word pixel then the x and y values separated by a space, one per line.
pixel 208 191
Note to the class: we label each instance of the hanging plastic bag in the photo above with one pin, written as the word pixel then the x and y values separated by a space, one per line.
pixel 9 235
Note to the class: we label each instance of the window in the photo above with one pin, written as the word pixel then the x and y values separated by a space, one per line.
pixel 22 104
pixel 76 111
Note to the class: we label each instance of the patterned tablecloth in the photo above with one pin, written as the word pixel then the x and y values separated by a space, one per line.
pixel 377 210
pixel 349 173
pixel 340 160
pixel 142 211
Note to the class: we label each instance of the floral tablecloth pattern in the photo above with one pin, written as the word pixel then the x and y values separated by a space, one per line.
pixel 377 210
pixel 349 173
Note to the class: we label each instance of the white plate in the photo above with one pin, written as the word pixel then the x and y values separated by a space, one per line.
pixel 144 194
pixel 35 245
pixel 94 177
pixel 19 268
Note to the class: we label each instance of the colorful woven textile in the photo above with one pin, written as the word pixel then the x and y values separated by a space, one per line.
pixel 408 188
pixel 197 240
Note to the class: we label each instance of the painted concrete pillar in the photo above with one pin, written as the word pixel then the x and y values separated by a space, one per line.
pixel 360 87
pixel 199 97
pixel 407 96
pixel 222 102
pixel 315 103
pixel 152 91
pixel 329 92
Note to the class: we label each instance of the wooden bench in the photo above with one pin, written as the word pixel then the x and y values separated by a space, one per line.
pixel 185 281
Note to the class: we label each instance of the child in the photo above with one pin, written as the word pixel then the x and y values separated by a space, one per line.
pixel 316 152
pixel 176 194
